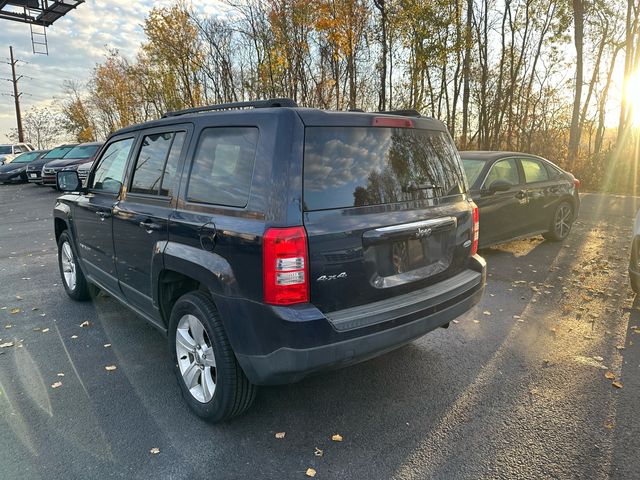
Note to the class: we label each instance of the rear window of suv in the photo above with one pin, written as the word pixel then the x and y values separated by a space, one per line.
pixel 358 166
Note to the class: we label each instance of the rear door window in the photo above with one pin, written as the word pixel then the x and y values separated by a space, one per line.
pixel 158 155
pixel 534 171
pixel 222 167
pixel 506 170
pixel 358 166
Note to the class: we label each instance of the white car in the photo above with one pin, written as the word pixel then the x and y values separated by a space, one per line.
pixel 10 151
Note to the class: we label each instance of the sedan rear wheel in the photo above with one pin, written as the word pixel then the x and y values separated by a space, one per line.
pixel 561 223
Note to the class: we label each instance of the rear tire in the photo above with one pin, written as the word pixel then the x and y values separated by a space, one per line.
pixel 561 223
pixel 73 280
pixel 210 378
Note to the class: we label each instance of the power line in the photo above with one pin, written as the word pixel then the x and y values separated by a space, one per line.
pixel 16 95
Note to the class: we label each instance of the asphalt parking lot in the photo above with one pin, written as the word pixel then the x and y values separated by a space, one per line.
pixel 515 389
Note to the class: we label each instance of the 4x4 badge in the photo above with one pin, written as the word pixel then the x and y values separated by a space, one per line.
pixel 326 278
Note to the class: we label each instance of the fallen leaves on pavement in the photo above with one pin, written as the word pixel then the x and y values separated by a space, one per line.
pixel 15 310
pixel 56 385
pixel 310 472
pixel 154 451
pixel 609 375
pixel 617 384
pixel 318 452
pixel 6 344
pixel 110 368
pixel 280 434
pixel 336 438
pixel 85 324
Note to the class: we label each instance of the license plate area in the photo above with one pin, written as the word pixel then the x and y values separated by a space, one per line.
pixel 409 253
pixel 33 175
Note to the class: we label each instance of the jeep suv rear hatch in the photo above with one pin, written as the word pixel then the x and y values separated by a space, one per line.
pixel 385 210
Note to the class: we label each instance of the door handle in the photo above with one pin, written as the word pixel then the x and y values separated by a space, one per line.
pixel 149 226
pixel 102 214
pixel 521 194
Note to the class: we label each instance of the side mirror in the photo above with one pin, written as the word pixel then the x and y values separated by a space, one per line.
pixel 68 181
pixel 498 186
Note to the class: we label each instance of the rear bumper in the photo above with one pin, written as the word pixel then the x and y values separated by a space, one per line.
pixel 310 342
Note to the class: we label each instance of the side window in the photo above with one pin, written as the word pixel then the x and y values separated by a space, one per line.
pixel 17 149
pixel 503 170
pixel 534 171
pixel 109 173
pixel 171 167
pixel 223 166
pixel 553 172
pixel 150 163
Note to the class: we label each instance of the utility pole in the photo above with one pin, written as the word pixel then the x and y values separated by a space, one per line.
pixel 16 95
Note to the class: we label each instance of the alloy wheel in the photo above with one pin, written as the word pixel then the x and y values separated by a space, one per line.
pixel 68 266
pixel 563 221
pixel 196 359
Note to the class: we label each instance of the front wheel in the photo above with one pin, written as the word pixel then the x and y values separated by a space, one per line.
pixel 210 378
pixel 561 223
pixel 73 279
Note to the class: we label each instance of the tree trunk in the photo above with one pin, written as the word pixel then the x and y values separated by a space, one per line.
pixel 382 93
pixel 466 71
pixel 574 132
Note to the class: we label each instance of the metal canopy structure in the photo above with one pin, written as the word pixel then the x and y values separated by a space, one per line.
pixel 39 14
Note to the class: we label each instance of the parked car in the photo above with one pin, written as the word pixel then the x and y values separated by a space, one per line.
pixel 34 169
pixel 520 195
pixel 634 261
pixel 273 242
pixel 83 153
pixel 16 171
pixel 8 152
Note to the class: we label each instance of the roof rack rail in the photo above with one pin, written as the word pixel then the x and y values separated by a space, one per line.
pixel 269 103
pixel 404 113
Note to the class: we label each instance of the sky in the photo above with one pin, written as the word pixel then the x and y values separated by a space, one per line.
pixel 77 42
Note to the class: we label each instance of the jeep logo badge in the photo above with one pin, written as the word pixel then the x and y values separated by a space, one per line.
pixel 423 232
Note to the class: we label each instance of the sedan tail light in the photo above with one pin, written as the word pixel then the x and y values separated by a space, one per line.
pixel 285 266
pixel 576 182
pixel 476 229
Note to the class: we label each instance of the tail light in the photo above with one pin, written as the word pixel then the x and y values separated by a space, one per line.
pixel 475 232
pixel 576 182
pixel 285 263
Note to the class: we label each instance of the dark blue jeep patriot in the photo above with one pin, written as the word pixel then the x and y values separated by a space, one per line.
pixel 270 241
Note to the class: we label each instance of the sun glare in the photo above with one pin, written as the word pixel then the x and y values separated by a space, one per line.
pixel 633 97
